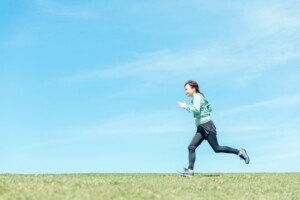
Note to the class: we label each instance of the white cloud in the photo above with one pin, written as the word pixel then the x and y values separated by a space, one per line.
pixel 247 79
pixel 164 63
pixel 279 102
pixel 208 63
pixel 240 57
pixel 286 145
pixel 21 39
pixel 274 17
pixel 156 122
pixel 57 9
pixel 283 156
pixel 23 36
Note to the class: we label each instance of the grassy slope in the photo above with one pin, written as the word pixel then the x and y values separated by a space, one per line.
pixel 150 186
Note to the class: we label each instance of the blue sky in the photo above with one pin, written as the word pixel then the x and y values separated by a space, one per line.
pixel 92 86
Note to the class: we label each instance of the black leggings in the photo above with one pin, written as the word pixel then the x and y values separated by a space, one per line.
pixel 207 131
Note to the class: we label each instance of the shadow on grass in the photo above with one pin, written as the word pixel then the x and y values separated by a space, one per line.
pixel 210 175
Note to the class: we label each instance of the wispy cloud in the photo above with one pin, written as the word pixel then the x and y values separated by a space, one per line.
pixel 279 102
pixel 164 62
pixel 208 63
pixel 156 123
pixel 138 123
pixel 283 156
pixel 240 57
pixel 274 17
pixel 247 79
pixel 75 11
pixel 23 36
pixel 280 144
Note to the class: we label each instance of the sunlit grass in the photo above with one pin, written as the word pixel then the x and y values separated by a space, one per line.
pixel 150 186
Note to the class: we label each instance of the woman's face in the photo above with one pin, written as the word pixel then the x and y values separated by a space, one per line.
pixel 189 91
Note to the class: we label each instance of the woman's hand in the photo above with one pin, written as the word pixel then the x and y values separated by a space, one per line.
pixel 181 104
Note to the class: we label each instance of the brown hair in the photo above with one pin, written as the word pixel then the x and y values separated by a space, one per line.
pixel 195 85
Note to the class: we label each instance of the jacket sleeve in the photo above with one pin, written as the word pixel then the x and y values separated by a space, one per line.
pixel 195 105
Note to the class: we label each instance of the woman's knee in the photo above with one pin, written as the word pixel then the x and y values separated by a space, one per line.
pixel 192 147
pixel 217 149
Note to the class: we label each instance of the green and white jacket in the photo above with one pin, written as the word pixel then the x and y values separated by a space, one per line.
pixel 201 109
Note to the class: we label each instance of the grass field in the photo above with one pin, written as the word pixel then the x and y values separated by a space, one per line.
pixel 150 186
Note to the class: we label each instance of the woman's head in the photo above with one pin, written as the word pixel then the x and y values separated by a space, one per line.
pixel 191 87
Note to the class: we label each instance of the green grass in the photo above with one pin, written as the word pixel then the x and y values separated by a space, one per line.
pixel 150 186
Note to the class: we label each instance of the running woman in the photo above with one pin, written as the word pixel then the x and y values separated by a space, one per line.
pixel 206 129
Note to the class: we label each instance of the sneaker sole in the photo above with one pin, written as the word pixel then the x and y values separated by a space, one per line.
pixel 184 175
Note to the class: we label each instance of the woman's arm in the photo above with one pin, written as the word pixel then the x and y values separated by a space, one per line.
pixel 181 104
pixel 195 106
